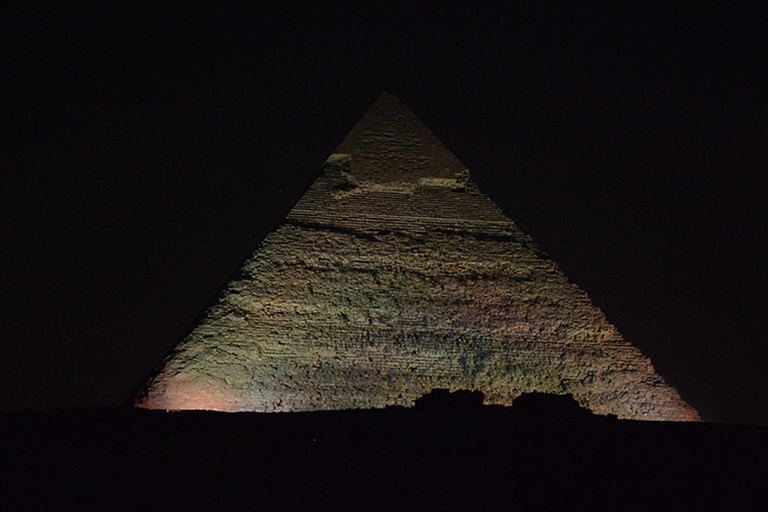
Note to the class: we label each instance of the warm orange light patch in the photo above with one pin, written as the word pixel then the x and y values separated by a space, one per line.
pixel 183 395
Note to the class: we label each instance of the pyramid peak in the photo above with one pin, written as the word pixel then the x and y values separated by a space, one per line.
pixel 390 143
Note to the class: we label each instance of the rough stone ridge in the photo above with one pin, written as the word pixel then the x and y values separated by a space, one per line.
pixel 394 275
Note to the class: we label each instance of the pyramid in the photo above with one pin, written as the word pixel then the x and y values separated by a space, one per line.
pixel 393 276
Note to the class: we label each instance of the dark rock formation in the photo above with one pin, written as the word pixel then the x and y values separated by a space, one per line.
pixel 546 405
pixel 393 276
pixel 444 400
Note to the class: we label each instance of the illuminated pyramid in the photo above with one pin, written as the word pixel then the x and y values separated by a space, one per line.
pixel 392 276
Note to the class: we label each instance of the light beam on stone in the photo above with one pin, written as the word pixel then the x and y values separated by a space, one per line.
pixel 392 276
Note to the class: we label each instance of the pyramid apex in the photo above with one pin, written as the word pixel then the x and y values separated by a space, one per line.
pixel 390 144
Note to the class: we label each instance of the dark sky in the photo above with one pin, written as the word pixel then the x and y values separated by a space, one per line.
pixel 146 150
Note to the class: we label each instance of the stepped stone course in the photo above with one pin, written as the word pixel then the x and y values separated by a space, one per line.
pixel 393 276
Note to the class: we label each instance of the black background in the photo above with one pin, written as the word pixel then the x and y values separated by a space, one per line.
pixel 145 150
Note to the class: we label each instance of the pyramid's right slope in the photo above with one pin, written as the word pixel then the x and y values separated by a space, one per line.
pixel 394 275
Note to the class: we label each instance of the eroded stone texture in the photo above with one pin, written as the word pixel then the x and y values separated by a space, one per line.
pixel 394 275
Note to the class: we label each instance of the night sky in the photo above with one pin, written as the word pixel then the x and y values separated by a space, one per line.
pixel 145 151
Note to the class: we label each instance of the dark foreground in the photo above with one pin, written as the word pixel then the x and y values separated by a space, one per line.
pixel 424 458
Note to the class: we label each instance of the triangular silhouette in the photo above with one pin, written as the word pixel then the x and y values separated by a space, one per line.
pixel 393 276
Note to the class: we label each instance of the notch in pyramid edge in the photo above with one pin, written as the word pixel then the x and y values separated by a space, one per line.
pixel 393 276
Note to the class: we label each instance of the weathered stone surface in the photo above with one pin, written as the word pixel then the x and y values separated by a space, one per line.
pixel 394 275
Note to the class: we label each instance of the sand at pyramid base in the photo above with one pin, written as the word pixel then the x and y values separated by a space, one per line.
pixel 379 288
